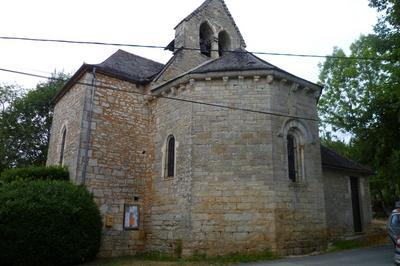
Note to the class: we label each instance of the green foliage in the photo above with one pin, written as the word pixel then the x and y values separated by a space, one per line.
pixel 25 123
pixel 343 148
pixel 47 223
pixel 35 173
pixel 362 97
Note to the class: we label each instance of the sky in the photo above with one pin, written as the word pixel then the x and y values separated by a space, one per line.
pixel 280 26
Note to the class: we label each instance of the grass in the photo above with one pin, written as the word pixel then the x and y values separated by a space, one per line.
pixel 366 241
pixel 346 244
pixel 164 260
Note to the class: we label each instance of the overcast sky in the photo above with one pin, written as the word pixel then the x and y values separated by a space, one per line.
pixel 283 26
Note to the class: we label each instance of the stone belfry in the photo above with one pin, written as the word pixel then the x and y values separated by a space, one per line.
pixel 205 34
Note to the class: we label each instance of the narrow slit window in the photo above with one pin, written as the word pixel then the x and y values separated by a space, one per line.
pixel 62 147
pixel 171 157
pixel 292 154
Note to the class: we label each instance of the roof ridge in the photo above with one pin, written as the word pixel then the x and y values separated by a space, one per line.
pixel 130 54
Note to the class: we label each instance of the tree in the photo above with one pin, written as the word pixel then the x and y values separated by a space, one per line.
pixel 25 123
pixel 362 97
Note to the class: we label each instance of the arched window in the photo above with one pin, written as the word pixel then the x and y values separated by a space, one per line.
pixel 170 158
pixel 224 42
pixel 205 39
pixel 295 156
pixel 62 146
pixel 292 154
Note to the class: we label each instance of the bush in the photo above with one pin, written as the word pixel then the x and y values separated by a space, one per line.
pixel 35 173
pixel 47 223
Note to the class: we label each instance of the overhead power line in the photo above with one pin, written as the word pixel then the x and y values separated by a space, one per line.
pixel 165 97
pixel 195 49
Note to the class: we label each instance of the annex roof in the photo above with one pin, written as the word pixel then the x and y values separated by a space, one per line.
pixel 331 159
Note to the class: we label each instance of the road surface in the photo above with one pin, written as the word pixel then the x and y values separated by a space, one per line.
pixel 372 256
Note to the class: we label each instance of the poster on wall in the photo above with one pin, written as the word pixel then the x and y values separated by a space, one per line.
pixel 131 217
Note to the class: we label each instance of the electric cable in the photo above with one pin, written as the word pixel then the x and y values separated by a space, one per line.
pixel 165 97
pixel 198 49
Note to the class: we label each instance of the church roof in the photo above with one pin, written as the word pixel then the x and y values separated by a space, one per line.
pixel 331 159
pixel 203 6
pixel 121 65
pixel 130 66
pixel 238 60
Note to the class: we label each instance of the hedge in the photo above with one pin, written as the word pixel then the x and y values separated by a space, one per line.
pixel 47 223
pixel 35 173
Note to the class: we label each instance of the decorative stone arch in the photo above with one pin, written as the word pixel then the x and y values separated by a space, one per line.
pixel 295 136
pixel 62 143
pixel 291 123
pixel 224 42
pixel 206 38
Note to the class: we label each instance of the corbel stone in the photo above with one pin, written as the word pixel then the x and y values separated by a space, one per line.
pixel 316 94
pixel 240 77
pixel 208 78
pixel 295 87
pixel 180 89
pixel 284 81
pixel 256 78
pixel 183 87
pixel 225 79
pixel 164 93
pixel 270 79
pixel 173 91
pixel 191 82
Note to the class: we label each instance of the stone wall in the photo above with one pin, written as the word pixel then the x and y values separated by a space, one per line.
pixel 68 114
pixel 119 160
pixel 238 194
pixel 338 203
pixel 300 214
pixel 169 222
pixel 232 191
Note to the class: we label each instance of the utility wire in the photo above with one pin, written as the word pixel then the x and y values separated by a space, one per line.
pixel 165 97
pixel 197 49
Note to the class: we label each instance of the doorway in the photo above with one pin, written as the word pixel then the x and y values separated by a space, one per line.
pixel 355 202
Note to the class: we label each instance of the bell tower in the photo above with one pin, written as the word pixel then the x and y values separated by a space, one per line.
pixel 205 34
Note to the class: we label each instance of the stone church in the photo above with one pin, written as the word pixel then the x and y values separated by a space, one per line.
pixel 215 152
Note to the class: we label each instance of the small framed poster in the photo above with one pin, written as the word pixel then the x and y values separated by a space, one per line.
pixel 131 217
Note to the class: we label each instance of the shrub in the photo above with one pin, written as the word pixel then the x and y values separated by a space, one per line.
pixel 35 173
pixel 47 223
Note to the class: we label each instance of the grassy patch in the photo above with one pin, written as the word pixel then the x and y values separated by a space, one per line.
pixel 364 241
pixel 161 259
pixel 346 244
pixel 234 258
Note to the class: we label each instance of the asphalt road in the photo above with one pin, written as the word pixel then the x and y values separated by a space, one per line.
pixel 372 256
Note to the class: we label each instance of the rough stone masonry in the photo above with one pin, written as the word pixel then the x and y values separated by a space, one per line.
pixel 217 151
